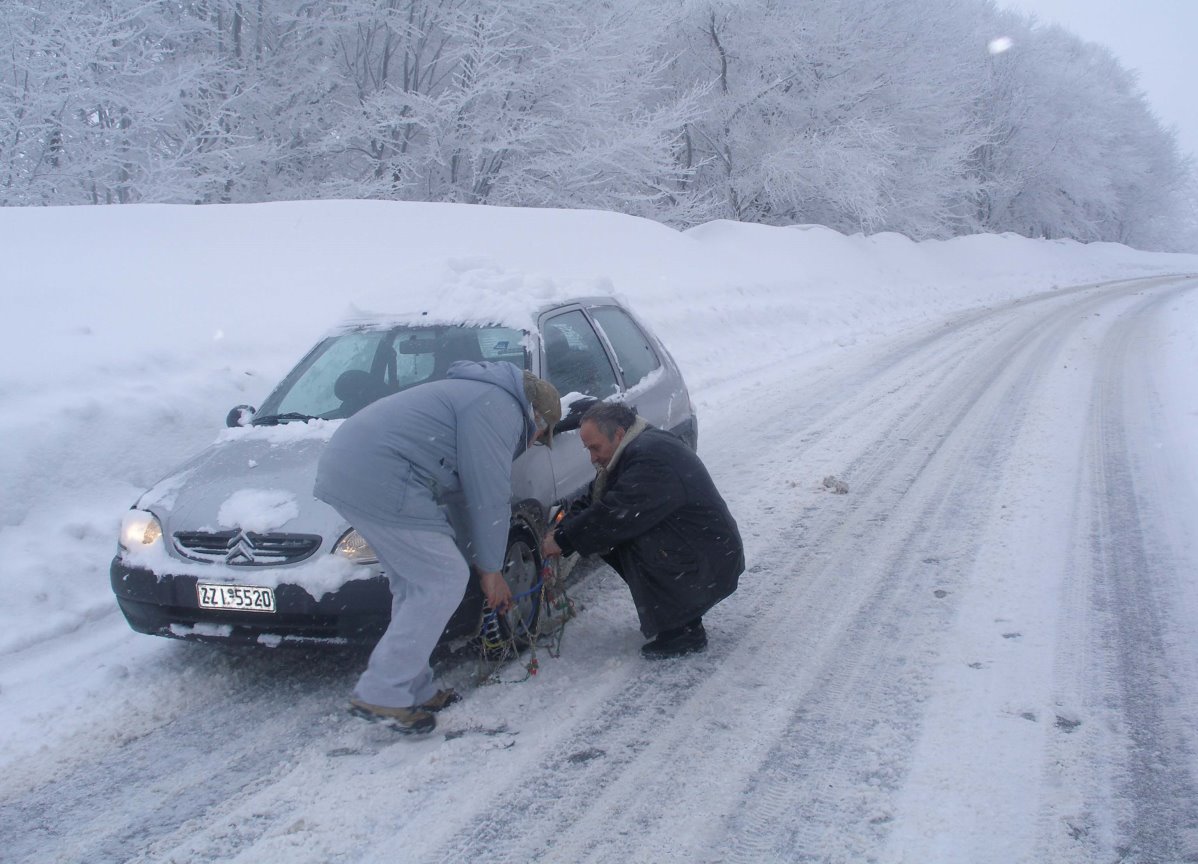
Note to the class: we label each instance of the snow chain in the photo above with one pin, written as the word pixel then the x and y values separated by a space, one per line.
pixel 495 649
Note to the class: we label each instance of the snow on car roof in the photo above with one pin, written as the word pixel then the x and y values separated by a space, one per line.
pixel 477 293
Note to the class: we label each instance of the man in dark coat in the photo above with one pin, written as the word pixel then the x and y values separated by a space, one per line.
pixel 655 516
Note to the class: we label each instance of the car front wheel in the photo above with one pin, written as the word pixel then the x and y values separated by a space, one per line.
pixel 522 570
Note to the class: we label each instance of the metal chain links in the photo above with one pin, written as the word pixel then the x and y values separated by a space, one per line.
pixel 496 649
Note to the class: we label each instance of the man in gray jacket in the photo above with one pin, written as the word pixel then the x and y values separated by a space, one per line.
pixel 391 470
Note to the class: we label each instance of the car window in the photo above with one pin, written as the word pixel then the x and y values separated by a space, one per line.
pixel 345 373
pixel 312 393
pixel 575 361
pixel 425 354
pixel 500 343
pixel 633 351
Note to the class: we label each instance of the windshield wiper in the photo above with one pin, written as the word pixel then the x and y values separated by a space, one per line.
pixel 276 419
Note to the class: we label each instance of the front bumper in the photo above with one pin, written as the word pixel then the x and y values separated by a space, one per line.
pixel 356 614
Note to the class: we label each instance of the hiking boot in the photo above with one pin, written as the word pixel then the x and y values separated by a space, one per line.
pixel 689 639
pixel 440 699
pixel 407 721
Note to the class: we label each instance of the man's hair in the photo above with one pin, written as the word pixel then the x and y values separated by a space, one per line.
pixel 610 416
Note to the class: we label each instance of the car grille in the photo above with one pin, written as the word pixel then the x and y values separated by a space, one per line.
pixel 245 548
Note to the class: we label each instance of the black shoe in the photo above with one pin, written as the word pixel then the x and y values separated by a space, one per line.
pixel 688 639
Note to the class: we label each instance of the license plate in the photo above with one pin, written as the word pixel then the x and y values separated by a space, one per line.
pixel 240 598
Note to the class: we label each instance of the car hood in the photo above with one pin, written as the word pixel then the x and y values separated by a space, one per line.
pixel 251 479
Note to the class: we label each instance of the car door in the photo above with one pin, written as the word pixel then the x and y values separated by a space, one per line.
pixel 576 361
pixel 650 380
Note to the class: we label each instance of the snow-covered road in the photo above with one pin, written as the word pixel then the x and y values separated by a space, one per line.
pixel 981 652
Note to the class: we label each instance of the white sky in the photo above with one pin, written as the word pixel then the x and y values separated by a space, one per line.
pixel 1154 37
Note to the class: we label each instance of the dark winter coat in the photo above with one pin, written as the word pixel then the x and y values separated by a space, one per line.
pixel 662 525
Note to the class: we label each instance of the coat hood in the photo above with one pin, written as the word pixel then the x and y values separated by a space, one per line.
pixel 501 374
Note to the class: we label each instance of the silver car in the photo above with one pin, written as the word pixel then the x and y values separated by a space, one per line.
pixel 233 546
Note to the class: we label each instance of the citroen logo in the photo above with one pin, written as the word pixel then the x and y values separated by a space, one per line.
pixel 241 550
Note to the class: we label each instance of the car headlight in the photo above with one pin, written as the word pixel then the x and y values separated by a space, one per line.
pixel 353 546
pixel 139 529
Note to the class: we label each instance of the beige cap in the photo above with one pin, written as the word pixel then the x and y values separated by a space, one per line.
pixel 544 399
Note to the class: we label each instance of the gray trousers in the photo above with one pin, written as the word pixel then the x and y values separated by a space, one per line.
pixel 428 578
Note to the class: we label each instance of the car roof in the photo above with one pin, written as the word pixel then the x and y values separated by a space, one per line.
pixel 519 315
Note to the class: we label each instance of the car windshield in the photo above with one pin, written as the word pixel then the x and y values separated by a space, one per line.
pixel 347 372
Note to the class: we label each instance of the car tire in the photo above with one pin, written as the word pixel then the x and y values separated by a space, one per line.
pixel 522 571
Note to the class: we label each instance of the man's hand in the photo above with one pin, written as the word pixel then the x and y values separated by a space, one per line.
pixel 549 546
pixel 496 590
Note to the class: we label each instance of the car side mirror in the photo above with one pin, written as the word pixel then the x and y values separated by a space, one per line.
pixel 240 416
pixel 574 419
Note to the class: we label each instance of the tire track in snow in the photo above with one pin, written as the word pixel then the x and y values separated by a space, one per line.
pixel 238 722
pixel 1116 665
pixel 847 777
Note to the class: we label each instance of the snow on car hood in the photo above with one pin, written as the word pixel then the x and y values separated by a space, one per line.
pixel 257 479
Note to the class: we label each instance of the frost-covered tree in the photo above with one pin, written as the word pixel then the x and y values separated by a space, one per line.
pixel 529 102
pixel 70 131
pixel 854 115
pixel 864 115
pixel 113 102
pixel 1073 150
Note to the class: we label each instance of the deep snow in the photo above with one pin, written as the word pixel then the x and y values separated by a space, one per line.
pixel 130 332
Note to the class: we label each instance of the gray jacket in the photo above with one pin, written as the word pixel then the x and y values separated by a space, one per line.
pixel 407 457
